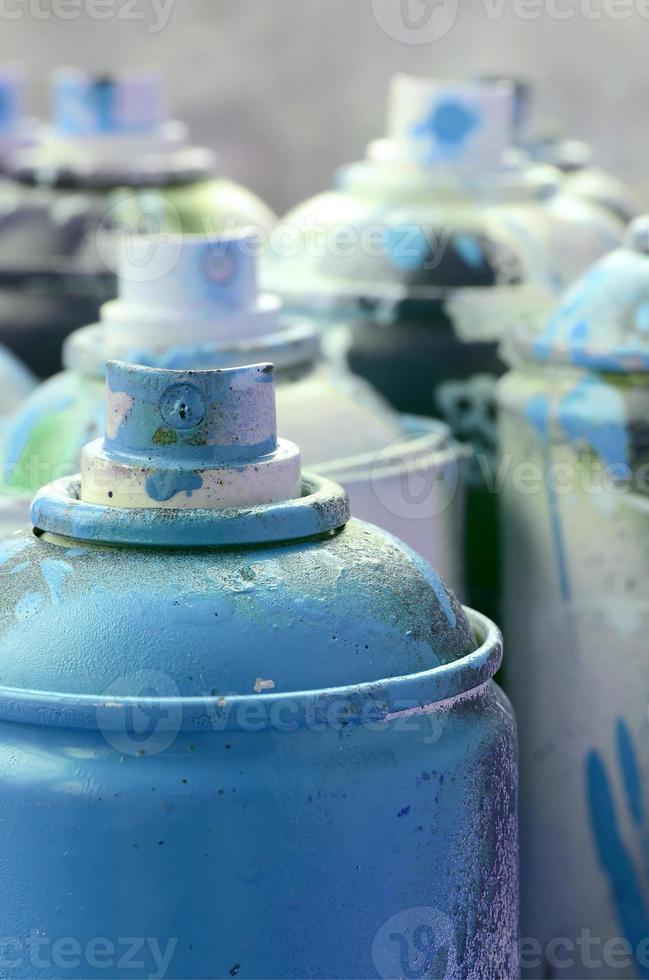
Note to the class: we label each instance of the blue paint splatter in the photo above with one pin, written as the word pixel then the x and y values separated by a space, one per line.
pixel 594 413
pixel 538 415
pixel 614 859
pixel 101 101
pixel 54 572
pixel 630 770
pixel 10 547
pixel 446 127
pixel 642 317
pixel 28 605
pixel 470 250
pixel 407 246
pixel 166 484
pixel 449 122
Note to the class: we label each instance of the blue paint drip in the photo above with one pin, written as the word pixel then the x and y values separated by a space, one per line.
pixel 166 484
pixel 54 572
pixel 594 413
pixel 642 317
pixel 407 246
pixel 470 250
pixel 630 771
pixel 101 101
pixel 614 859
pixel 10 547
pixel 538 415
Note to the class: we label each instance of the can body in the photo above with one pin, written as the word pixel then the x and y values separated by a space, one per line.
pixel 257 772
pixel 576 559
pixel 341 853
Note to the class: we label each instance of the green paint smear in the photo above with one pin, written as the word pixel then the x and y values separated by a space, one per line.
pixel 164 437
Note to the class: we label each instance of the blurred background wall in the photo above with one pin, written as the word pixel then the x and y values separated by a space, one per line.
pixel 287 90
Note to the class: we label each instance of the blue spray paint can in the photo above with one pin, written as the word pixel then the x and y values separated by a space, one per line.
pixel 256 737
pixel 575 461
pixel 427 253
pixel 110 161
pixel 194 303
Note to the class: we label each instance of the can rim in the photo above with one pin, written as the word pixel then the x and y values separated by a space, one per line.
pixel 372 703
pixel 322 507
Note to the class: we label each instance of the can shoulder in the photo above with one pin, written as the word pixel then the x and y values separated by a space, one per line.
pixel 351 607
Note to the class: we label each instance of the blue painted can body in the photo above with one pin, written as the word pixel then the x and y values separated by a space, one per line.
pixel 261 835
pixel 248 738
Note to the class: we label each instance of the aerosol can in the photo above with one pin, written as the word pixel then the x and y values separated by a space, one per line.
pixel 257 735
pixel 575 468
pixel 430 250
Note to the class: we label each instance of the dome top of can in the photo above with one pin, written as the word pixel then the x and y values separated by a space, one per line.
pixel 191 463
pixel 603 320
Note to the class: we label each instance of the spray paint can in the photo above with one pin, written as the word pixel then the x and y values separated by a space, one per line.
pixel 575 444
pixel 194 303
pixel 430 250
pixel 264 738
pixel 110 161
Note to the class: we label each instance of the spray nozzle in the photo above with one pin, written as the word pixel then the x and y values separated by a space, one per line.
pixel 189 439
pixel 124 104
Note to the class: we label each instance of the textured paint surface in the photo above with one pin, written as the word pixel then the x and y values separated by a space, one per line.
pixel 214 787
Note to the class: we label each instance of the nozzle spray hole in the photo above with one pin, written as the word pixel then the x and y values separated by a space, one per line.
pixel 182 406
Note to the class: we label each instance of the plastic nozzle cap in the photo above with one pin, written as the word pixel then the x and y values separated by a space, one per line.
pixel 182 273
pixel 124 104
pixel 467 124
pixel 637 235
pixel 189 439
pixel 12 90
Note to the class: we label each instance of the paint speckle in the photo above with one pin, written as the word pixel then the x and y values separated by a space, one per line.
pixel 167 483
pixel 28 605
pixel 263 685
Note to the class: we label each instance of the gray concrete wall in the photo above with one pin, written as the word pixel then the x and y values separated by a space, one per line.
pixel 287 90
